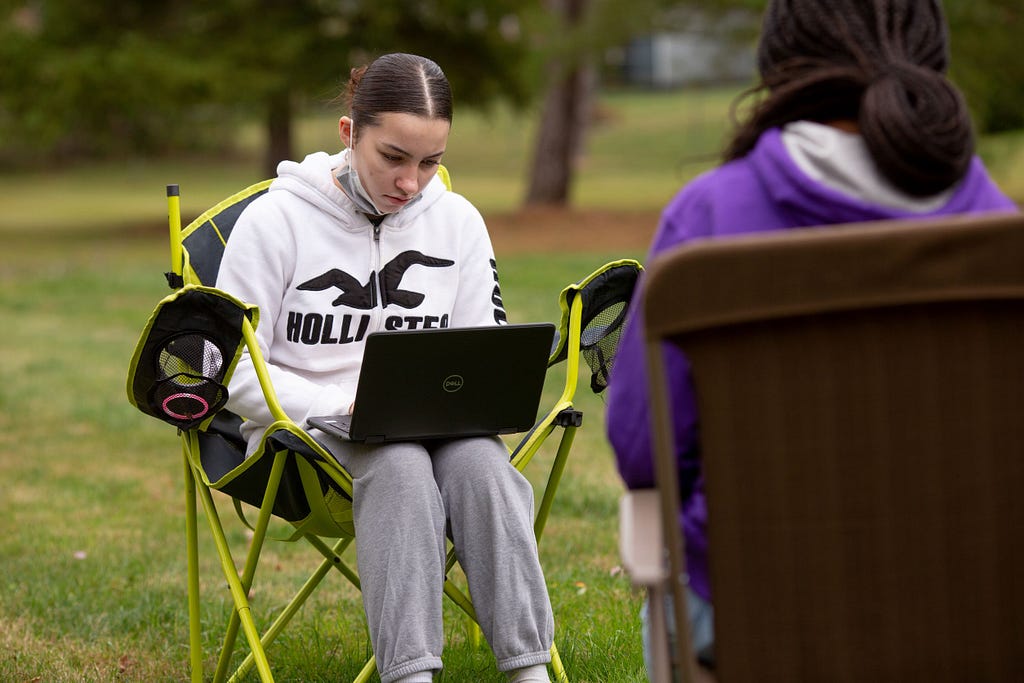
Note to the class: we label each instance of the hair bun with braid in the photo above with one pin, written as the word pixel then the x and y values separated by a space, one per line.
pixel 877 62
pixel 917 128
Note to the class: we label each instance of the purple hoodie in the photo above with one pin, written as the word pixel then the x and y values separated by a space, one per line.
pixel 765 190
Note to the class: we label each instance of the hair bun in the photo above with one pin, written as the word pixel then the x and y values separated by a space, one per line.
pixel 917 127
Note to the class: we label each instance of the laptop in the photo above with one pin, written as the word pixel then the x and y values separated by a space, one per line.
pixel 444 383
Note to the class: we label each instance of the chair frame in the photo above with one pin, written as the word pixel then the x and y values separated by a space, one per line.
pixel 562 414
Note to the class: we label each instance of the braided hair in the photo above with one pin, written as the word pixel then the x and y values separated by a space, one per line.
pixel 879 63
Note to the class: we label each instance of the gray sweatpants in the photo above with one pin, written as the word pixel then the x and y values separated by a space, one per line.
pixel 405 496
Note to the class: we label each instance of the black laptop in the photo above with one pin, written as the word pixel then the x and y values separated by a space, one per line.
pixel 443 383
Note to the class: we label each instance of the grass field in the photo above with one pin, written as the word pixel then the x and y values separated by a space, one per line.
pixel 91 514
pixel 642 149
pixel 92 544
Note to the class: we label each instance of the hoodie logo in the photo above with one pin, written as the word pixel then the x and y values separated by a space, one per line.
pixel 364 296
pixel 315 328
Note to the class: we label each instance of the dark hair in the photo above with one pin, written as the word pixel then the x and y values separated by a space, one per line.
pixel 880 63
pixel 398 83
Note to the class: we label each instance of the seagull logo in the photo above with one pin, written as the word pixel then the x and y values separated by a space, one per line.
pixel 364 296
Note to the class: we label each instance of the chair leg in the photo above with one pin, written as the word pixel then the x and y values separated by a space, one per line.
pixel 660 648
pixel 192 546
pixel 555 476
pixel 367 671
pixel 459 598
pixel 476 634
pixel 557 667
pixel 332 558
pixel 242 613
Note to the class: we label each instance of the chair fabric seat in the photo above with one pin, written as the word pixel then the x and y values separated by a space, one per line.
pixel 222 459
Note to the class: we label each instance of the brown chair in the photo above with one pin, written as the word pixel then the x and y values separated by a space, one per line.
pixel 861 393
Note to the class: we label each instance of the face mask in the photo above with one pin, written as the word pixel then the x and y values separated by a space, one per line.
pixel 348 178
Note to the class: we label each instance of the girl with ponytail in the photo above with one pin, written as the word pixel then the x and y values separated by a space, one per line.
pixel 853 119
pixel 332 240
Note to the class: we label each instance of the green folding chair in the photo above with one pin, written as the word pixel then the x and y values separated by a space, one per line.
pixel 179 374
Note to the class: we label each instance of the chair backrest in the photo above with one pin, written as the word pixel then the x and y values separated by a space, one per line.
pixel 604 296
pixel 203 240
pixel 311 483
pixel 197 249
pixel 860 391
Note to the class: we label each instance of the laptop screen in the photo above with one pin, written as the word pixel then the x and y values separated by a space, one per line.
pixel 420 384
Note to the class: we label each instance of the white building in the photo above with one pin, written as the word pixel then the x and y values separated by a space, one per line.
pixel 702 50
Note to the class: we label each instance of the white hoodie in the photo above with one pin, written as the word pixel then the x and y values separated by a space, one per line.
pixel 324 277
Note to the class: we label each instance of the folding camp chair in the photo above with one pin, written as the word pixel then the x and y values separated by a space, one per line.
pixel 179 374
pixel 860 390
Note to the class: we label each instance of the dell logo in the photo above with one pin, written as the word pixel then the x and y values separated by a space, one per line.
pixel 453 383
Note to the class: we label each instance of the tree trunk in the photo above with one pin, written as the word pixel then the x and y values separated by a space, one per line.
pixel 279 131
pixel 564 121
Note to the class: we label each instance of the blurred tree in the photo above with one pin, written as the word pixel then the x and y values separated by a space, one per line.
pixel 985 60
pixel 565 111
pixel 116 77
pixel 986 63
pixel 96 78
pixel 110 77
pixel 283 50
pixel 572 37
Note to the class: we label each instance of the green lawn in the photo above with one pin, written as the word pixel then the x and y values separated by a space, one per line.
pixel 642 148
pixel 91 550
pixel 92 543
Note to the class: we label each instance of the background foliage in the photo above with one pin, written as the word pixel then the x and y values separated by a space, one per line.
pixel 986 63
pixel 111 79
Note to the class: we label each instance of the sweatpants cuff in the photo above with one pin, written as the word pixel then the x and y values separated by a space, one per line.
pixel 429 663
pixel 520 661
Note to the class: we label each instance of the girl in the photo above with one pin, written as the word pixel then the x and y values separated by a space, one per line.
pixel 856 122
pixel 370 239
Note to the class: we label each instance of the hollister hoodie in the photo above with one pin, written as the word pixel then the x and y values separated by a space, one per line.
pixel 324 276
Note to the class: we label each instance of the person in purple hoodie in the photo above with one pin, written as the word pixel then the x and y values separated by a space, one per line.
pixel 853 120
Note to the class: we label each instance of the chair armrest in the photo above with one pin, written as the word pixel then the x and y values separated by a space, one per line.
pixel 641 544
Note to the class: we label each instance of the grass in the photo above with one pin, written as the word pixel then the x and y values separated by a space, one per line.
pixel 642 148
pixel 637 157
pixel 91 549
pixel 91 552
pixel 92 545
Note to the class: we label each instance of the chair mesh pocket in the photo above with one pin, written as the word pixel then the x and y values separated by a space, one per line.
pixel 598 341
pixel 189 373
